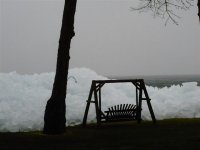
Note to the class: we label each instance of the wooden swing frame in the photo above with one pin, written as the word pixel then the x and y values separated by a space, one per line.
pixel 95 91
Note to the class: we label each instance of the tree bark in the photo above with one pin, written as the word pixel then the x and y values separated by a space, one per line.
pixel 54 117
pixel 198 5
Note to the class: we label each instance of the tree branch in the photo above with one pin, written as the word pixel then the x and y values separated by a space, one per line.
pixel 166 8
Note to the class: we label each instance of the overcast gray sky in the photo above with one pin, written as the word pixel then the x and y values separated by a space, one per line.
pixel 110 38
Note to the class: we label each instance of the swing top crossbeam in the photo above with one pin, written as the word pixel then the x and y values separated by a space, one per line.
pixel 119 81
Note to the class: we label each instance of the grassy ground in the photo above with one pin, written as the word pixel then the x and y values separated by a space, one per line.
pixel 174 134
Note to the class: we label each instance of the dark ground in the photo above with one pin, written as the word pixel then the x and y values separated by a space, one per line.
pixel 173 134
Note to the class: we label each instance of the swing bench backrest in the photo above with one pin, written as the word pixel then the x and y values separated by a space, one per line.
pixel 122 112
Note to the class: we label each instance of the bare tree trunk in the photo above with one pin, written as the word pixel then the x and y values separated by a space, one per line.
pixel 54 118
pixel 198 5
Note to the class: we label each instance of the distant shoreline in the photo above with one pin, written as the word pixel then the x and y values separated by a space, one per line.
pixel 163 80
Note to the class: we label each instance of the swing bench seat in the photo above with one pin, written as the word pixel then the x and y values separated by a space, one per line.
pixel 122 112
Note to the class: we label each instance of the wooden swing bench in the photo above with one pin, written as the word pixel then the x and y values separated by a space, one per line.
pixel 122 112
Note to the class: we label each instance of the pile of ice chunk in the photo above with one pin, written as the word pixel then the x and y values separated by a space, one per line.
pixel 23 99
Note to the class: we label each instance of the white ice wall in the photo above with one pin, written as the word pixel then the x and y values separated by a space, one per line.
pixel 23 99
